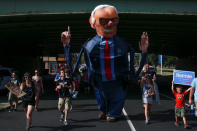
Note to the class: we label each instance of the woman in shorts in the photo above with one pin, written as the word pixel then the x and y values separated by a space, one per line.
pixel 147 96
pixel 29 99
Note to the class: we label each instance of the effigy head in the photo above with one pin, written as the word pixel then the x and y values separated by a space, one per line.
pixel 104 19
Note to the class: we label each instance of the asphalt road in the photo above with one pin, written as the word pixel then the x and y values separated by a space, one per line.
pixel 83 117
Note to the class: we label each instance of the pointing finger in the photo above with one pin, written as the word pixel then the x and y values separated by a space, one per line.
pixel 143 35
pixel 146 35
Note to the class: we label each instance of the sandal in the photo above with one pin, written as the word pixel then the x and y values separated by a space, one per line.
pixel 101 115
pixel 111 119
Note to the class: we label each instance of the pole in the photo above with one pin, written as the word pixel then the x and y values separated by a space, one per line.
pixel 161 63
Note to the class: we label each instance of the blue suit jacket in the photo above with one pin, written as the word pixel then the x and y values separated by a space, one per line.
pixel 122 68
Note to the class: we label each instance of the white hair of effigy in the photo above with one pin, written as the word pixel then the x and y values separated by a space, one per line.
pixel 101 7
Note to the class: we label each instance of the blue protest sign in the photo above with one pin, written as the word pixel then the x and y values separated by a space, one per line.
pixel 183 77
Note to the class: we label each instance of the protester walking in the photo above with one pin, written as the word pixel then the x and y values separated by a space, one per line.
pixel 29 99
pixel 179 94
pixel 147 96
pixel 13 99
pixel 64 102
pixel 37 79
pixel 193 92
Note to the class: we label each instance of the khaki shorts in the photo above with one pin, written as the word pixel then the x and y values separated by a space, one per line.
pixel 180 111
pixel 64 103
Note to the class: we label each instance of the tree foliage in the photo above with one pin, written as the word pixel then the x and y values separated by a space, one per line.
pixel 152 59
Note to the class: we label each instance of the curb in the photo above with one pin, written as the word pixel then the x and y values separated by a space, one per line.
pixel 4 106
pixel 8 105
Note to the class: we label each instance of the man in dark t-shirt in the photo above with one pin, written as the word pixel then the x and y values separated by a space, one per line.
pixel 64 103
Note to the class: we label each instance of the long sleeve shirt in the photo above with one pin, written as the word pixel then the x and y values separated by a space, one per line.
pixel 122 68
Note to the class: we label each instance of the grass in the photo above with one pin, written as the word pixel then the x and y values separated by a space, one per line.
pixel 3 105
pixel 165 71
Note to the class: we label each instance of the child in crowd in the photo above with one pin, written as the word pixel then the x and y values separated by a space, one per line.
pixel 57 77
pixel 179 94
pixel 147 96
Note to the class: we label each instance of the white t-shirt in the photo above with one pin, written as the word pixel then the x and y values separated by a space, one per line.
pixel 194 84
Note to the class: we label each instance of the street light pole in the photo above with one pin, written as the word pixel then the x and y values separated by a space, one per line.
pixel 161 63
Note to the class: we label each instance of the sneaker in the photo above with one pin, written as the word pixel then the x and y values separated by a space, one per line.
pixel 14 110
pixel 146 122
pixel 65 123
pixel 61 118
pixel 36 109
pixel 10 110
pixel 111 119
pixel 101 115
pixel 186 126
pixel 176 124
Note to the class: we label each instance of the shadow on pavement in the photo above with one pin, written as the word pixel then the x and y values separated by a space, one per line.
pixel 122 118
pixel 47 109
pixel 85 120
pixel 84 105
pixel 63 128
pixel 84 110
pixel 160 116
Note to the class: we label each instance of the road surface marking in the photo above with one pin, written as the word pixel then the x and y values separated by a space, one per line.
pixel 128 120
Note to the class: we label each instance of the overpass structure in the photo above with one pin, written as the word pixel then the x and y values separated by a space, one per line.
pixel 33 27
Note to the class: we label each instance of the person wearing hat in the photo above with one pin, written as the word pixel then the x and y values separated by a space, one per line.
pixel 106 56
pixel 29 99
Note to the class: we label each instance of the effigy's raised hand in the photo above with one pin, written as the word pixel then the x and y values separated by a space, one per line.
pixel 65 37
pixel 144 42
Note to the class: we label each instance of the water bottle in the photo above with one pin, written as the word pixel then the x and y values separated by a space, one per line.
pixel 192 110
pixel 75 95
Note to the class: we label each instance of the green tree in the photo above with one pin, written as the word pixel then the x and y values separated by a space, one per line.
pixel 170 60
pixel 152 59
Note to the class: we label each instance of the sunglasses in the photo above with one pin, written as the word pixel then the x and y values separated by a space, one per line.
pixel 105 21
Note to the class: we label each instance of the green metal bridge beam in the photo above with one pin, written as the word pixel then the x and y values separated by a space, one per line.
pixel 13 7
